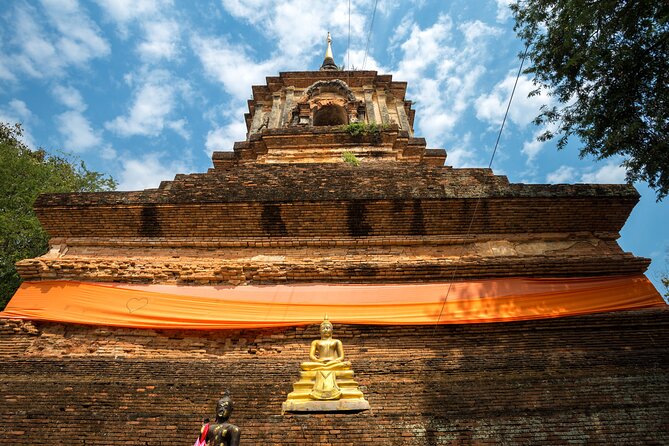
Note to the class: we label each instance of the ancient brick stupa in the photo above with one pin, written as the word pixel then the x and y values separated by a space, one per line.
pixel 473 310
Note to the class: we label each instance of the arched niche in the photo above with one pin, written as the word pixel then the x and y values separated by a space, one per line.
pixel 327 103
pixel 337 86
pixel 330 114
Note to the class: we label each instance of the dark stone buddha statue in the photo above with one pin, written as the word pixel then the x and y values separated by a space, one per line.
pixel 222 433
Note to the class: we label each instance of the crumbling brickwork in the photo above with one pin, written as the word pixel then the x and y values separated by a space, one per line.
pixel 267 223
pixel 600 379
pixel 267 270
pixel 283 207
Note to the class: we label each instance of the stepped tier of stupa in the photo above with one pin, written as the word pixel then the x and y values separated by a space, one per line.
pixel 474 310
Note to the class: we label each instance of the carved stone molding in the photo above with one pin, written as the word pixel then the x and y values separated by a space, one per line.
pixel 332 86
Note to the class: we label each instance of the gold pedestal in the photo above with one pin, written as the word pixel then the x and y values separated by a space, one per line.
pixel 349 397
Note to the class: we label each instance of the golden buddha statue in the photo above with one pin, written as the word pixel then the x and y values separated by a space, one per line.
pixel 326 381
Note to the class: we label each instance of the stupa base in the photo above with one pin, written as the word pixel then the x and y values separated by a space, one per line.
pixel 344 405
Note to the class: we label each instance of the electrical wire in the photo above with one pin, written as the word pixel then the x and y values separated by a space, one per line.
pixel 348 45
pixel 485 180
pixel 369 34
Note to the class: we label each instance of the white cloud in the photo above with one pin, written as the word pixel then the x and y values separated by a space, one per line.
pixel 461 154
pixel 77 131
pixel 437 117
pixel 357 57
pixel 68 38
pixel 79 40
pixel 69 97
pixel 232 66
pixel 423 51
pixel 78 134
pixel 477 29
pixel 443 64
pixel 295 30
pixel 563 174
pixel 418 3
pixel 16 111
pixel 251 10
pixel 491 107
pixel 298 27
pixel 424 48
pixel 610 173
pixel 224 138
pixel 461 87
pixel 179 127
pixel 503 10
pixel 532 147
pixel 123 11
pixel 385 7
pixel 36 53
pixel 107 152
pixel 147 115
pixel 148 171
pixel 154 102
pixel 161 34
pixel 161 40
pixel 5 73
pixel 401 31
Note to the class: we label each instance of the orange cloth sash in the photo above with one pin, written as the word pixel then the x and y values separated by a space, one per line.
pixel 212 307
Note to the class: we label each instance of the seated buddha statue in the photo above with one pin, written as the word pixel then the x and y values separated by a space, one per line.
pixel 327 355
pixel 326 378
pixel 220 432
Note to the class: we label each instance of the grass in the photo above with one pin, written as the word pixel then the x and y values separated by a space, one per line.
pixel 350 158
pixel 362 128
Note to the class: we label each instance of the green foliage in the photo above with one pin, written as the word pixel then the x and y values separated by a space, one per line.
pixel 362 128
pixel 607 64
pixel 349 157
pixel 24 174
pixel 665 282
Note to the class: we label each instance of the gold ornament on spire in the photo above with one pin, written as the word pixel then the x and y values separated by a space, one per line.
pixel 328 62
pixel 328 51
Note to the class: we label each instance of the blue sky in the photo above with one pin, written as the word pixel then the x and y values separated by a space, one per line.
pixel 145 89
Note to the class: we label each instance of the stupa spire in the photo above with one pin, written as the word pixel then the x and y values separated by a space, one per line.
pixel 328 51
pixel 328 62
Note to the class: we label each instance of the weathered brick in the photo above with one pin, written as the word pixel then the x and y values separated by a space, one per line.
pixel 589 379
pixel 284 208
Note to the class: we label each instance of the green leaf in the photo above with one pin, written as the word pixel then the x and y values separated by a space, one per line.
pixel 607 64
pixel 24 174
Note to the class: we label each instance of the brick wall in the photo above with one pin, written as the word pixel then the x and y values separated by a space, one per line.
pixel 344 218
pixel 600 379
pixel 267 270
pixel 381 199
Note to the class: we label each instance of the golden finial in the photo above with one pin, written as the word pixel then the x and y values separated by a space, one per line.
pixel 329 63
pixel 328 52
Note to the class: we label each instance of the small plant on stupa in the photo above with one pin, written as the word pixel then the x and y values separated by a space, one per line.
pixel 355 128
pixel 363 129
pixel 349 157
